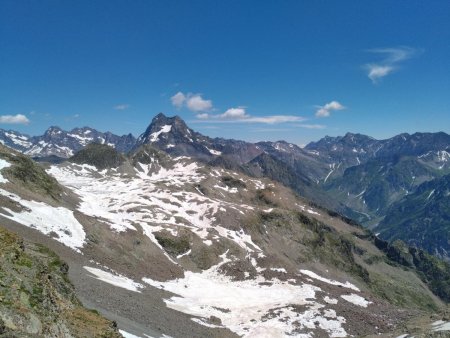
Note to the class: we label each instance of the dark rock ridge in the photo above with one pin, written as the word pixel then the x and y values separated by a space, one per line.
pixel 101 156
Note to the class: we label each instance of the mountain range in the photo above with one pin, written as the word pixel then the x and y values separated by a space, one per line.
pixel 356 175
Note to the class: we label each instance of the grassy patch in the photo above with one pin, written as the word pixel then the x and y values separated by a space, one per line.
pixel 173 245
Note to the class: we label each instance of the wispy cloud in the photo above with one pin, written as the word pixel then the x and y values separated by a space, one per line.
pixel 325 110
pixel 274 119
pixel 390 62
pixel 14 119
pixel 122 106
pixel 310 126
pixel 239 114
pixel 194 102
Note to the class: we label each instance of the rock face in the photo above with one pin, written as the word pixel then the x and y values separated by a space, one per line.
pixel 171 134
pixel 36 297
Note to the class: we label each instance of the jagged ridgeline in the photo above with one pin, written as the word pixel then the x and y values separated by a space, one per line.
pixel 36 297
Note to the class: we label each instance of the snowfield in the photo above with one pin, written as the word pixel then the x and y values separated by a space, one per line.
pixel 154 200
pixel 249 308
pixel 59 223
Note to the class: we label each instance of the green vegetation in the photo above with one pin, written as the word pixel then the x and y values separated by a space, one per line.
pixel 26 172
pixel 233 182
pixel 265 196
pixel 173 245
pixel 101 156
pixel 433 271
pixel 36 297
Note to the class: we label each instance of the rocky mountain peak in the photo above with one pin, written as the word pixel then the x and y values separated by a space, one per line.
pixel 164 129
pixel 53 131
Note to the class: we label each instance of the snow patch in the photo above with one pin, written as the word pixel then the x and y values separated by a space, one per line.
pixel 440 325
pixel 164 129
pixel 357 300
pixel 114 279
pixel 347 284
pixel 48 220
pixel 214 152
pixel 3 164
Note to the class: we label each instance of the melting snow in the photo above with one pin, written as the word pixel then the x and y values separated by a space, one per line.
pixel 214 152
pixel 164 129
pixel 440 325
pixel 357 300
pixel 147 201
pixel 48 219
pixel 283 270
pixel 249 308
pixel 329 281
pixel 3 164
pixel 330 300
pixel 114 279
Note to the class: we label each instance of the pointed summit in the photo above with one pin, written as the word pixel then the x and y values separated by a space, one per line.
pixel 52 131
pixel 166 131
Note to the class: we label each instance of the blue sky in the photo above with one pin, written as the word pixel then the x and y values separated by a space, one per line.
pixel 253 70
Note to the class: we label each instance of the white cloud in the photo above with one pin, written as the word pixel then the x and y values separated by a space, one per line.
pixel 122 106
pixel 234 113
pixel 392 57
pixel 194 102
pixel 325 111
pixel 14 119
pixel 178 100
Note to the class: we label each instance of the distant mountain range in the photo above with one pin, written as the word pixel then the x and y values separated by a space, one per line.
pixel 362 178
pixel 61 143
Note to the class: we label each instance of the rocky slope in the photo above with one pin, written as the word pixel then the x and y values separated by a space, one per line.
pixel 170 245
pixel 36 297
